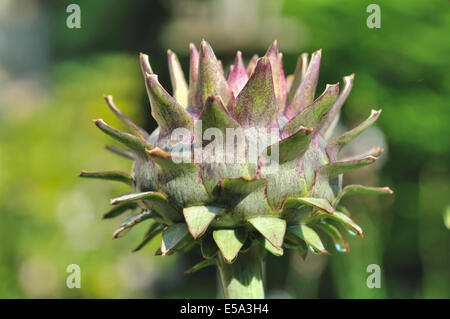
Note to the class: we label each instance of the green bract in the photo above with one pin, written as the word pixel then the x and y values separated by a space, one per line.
pixel 228 208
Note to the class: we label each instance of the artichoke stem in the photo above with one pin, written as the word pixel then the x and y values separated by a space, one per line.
pixel 243 278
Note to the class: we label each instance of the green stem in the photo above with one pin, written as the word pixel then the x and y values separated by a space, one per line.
pixel 243 278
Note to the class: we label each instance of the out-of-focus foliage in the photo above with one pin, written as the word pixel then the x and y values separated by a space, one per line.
pixel 50 219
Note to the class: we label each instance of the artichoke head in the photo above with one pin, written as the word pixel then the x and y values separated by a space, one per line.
pixel 246 159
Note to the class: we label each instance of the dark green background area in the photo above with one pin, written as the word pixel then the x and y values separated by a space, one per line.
pixel 52 79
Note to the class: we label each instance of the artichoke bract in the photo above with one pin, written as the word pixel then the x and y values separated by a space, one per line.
pixel 240 164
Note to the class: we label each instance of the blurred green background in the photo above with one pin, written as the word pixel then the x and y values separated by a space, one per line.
pixel 51 83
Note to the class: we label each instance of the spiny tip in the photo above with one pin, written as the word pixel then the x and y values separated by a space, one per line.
pixel 108 98
pixel 317 53
pixel 376 151
pixel 193 49
pixel 305 129
pixel 157 152
pixel 273 47
pixel 333 87
pixel 116 234
pixel 203 47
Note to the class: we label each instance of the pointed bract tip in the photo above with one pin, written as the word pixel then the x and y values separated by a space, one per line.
pixel 332 87
pixel 81 174
pixel 157 152
pixel 376 151
pixel 151 76
pixel 273 49
pixel 203 46
pixel 169 52
pixel 108 98
pixel 98 122
pixel 239 54
pixel 317 54
pixel 143 56
pixel 145 63
pixel 305 129
pixel 375 112
pixel 117 233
